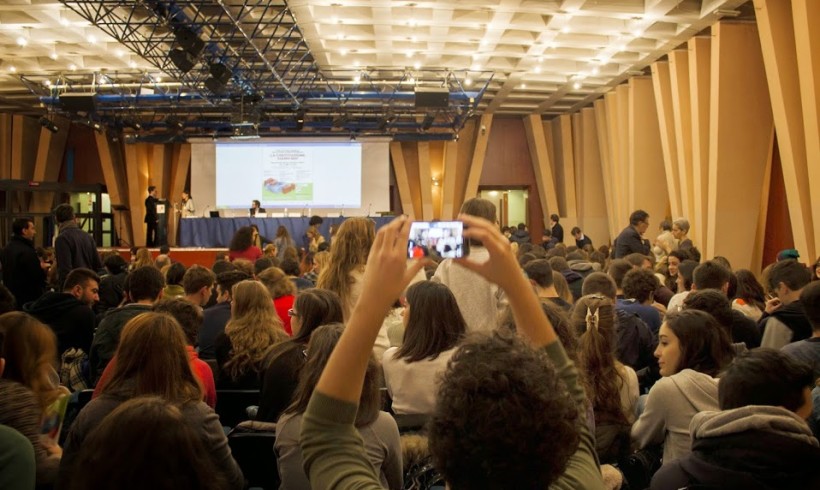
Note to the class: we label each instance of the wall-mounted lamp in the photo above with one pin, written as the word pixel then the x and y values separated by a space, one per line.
pixel 436 182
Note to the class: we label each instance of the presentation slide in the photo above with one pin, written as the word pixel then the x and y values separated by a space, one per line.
pixel 289 175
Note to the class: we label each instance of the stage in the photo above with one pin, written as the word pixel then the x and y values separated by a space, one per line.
pixel 217 232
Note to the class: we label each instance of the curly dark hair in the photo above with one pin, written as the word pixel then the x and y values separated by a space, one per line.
pixel 640 284
pixel 242 239
pixel 503 418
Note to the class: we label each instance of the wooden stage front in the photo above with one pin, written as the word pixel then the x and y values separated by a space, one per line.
pixel 188 256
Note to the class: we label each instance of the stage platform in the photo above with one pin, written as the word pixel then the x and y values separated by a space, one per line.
pixel 186 255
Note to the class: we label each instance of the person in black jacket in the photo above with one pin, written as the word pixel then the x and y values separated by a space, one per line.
pixel 556 228
pixel 69 313
pixel 759 439
pixel 23 271
pixel 73 247
pixel 151 217
pixel 580 239
pixel 631 239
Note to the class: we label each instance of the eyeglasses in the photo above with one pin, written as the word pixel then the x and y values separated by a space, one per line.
pixel 292 313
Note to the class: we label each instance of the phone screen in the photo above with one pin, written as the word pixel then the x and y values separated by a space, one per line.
pixel 444 238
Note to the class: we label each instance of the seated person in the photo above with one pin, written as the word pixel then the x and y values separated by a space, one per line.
pixel 759 438
pixel 256 208
pixel 483 434
pixel 433 328
pixel 378 430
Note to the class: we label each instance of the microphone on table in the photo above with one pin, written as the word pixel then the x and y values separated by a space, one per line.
pixel 369 206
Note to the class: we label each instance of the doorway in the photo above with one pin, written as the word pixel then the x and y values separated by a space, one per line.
pixel 512 204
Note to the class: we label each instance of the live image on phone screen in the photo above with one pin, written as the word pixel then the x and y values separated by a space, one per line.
pixel 442 237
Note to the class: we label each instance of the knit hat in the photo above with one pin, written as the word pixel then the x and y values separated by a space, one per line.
pixel 789 253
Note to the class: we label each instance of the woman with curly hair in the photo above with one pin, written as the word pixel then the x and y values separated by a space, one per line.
pixel 283 292
pixel 433 327
pixel 254 328
pixel 377 429
pixel 242 245
pixel 692 350
pixel 29 384
pixel 611 386
pixel 749 296
pixel 152 361
pixel 348 256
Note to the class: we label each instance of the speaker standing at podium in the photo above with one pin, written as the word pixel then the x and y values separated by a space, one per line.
pixel 151 217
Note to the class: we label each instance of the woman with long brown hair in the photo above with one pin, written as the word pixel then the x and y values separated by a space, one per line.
pixel 152 360
pixel 254 328
pixel 29 384
pixel 377 429
pixel 142 258
pixel 348 256
pixel 611 386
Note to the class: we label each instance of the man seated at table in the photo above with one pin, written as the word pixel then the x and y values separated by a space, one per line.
pixel 256 208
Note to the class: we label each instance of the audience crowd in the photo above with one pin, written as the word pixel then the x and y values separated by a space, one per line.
pixel 340 363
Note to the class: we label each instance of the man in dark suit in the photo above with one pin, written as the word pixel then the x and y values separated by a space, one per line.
pixel 151 217
pixel 631 239
pixel 580 239
pixel 556 229
pixel 24 271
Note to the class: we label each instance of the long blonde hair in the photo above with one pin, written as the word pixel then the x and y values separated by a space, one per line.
pixel 254 328
pixel 30 351
pixel 143 258
pixel 320 260
pixel 349 252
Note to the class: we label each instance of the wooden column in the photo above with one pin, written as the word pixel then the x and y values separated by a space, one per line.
pixel 669 143
pixel 480 149
pixel 646 167
pixel 399 168
pixel 700 75
pixel 541 164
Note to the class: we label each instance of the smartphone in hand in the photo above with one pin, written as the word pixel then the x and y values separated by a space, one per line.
pixel 444 238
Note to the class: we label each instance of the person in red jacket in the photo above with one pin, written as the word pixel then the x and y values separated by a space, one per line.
pixel 242 246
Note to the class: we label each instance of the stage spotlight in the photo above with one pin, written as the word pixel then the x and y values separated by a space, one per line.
pixel 182 59
pixel 300 120
pixel 174 123
pixel 220 76
pixel 46 123
pixel 189 40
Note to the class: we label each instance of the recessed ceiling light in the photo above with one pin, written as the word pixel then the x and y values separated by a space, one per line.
pixel 416 65
pixel 53 56
pixel 356 63
pixel 47 83
pixel 132 64
pixel 595 71
pixel 91 39
pixel 414 38
pixel 537 69
pixel 523 85
pixel 409 54
pixel 576 85
pixel 411 22
pixel 637 33
pixel 565 29
pixel 21 41
pixel 468 81
pixel 72 67
pixel 357 78
pixel 120 53
pixel 342 51
pixel 12 69
pixel 64 22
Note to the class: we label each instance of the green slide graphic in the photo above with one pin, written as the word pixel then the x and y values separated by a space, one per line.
pixel 300 192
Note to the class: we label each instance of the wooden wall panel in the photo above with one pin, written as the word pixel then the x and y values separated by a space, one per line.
pixel 180 165
pixel 592 202
pixel 448 182
pixel 578 153
pixel 682 109
pixel 568 188
pixel 700 86
pixel 662 82
pixel 646 171
pixel 479 154
pixel 466 148
pixel 411 162
pixel 400 170
pixel 47 163
pixel 741 125
pixel 541 165
pixel 625 186
pixel 774 20
pixel 5 145
pixel 425 180
pixel 113 170
pixel 605 153
pixel 806 18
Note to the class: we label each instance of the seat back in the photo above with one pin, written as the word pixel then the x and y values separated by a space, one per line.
pixel 231 405
pixel 253 451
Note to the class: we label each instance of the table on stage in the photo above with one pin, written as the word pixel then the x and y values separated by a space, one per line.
pixel 217 232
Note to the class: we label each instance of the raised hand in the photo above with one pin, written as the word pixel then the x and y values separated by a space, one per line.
pixel 502 268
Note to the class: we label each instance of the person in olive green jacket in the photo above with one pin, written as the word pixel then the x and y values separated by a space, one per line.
pixel 536 439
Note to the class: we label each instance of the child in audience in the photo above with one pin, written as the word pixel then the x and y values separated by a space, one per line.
pixel 377 429
pixel 29 384
pixel 433 327
pixel 254 328
pixel 312 309
pixel 759 439
pixel 171 452
pixel 344 271
pixel 507 413
pixel 611 386
pixel 152 360
pixel 692 350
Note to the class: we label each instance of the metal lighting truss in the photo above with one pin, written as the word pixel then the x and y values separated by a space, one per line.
pixel 275 84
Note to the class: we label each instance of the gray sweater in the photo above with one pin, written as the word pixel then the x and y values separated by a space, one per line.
pixel 198 415
pixel 670 406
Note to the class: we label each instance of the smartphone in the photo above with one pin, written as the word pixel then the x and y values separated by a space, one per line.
pixel 445 238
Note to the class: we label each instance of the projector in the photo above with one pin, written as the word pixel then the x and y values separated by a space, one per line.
pixel 245 132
